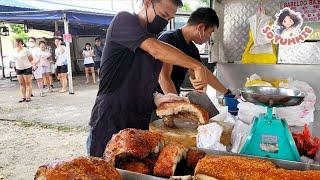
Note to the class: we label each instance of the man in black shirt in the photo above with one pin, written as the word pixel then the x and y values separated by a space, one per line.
pixel 201 24
pixel 130 67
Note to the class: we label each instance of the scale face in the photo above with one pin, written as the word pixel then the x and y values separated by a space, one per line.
pixel 270 136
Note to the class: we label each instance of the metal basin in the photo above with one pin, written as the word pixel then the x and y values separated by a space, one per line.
pixel 271 96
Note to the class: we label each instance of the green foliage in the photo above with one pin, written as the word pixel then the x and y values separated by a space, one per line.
pixel 18 30
pixel 186 7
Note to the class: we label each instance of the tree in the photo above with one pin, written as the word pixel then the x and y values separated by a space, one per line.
pixel 18 30
pixel 186 7
pixel 205 2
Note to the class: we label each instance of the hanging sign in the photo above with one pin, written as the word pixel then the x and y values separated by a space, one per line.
pixel 309 9
pixel 287 29
pixel 67 38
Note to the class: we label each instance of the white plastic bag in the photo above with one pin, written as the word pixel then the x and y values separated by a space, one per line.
pixel 209 137
pixel 239 136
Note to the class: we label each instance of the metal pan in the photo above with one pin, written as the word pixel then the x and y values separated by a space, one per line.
pixel 271 96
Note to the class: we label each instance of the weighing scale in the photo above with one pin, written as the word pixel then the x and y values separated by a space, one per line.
pixel 270 136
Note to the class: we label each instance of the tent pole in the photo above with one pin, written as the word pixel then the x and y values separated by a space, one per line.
pixel 56 27
pixel 66 31
pixel 1 56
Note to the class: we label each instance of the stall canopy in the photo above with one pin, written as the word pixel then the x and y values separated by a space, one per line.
pixel 80 22
pixel 14 5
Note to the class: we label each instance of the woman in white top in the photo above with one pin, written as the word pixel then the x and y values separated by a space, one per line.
pixel 42 66
pixel 88 54
pixel 24 63
pixel 45 56
pixel 62 69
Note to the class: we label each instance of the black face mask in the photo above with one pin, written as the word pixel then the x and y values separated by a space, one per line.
pixel 157 25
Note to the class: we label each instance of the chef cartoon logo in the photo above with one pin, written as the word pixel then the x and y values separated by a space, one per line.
pixel 286 30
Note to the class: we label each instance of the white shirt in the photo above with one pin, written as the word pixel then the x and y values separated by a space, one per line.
pixel 34 51
pixel 87 57
pixel 60 57
pixel 43 56
pixel 21 58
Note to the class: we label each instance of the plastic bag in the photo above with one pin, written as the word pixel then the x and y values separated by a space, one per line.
pixel 209 137
pixel 255 80
pixel 248 58
pixel 239 136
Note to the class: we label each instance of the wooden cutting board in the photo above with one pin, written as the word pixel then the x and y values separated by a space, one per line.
pixel 186 132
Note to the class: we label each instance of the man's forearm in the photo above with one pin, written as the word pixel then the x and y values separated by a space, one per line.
pixel 215 83
pixel 167 86
pixel 169 54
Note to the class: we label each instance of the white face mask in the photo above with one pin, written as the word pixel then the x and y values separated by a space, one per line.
pixel 31 44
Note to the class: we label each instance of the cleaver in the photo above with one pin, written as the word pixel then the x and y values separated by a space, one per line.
pixel 202 100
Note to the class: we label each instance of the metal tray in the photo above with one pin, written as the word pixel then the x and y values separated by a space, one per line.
pixel 290 165
pixel 271 96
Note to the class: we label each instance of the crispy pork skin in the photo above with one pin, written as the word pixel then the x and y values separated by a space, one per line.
pixel 81 168
pixel 169 157
pixel 132 143
pixel 245 168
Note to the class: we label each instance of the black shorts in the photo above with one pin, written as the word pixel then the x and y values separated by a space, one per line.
pixel 62 69
pixel 97 64
pixel 89 65
pixel 27 71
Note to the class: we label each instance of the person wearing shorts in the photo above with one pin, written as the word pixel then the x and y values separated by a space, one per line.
pixel 44 56
pixel 62 70
pixel 88 62
pixel 98 49
pixel 23 60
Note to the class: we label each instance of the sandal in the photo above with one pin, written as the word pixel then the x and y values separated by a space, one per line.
pixel 22 100
pixel 42 94
pixel 28 99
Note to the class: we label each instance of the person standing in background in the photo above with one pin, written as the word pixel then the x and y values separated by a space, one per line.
pixel 37 71
pixel 98 48
pixel 44 56
pixel 23 60
pixel 88 62
pixel 33 49
pixel 62 69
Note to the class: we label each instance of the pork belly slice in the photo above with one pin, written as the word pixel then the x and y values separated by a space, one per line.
pixel 132 143
pixel 138 167
pixel 183 111
pixel 169 157
pixel 193 157
pixel 232 167
pixel 78 168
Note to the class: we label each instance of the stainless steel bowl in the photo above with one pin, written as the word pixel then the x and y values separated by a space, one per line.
pixel 271 96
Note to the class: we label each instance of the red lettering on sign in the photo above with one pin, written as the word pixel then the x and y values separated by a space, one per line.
pixel 277 38
pixel 291 41
pixel 299 39
pixel 270 35
pixel 283 41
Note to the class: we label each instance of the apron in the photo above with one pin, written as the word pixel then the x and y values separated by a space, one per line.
pixel 129 106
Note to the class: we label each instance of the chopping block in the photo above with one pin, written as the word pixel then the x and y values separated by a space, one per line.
pixel 186 132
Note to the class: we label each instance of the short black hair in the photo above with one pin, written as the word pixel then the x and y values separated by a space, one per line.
pixel 204 15
pixel 32 38
pixel 97 38
pixel 294 17
pixel 19 40
pixel 42 42
pixel 178 3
